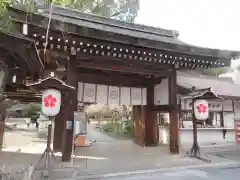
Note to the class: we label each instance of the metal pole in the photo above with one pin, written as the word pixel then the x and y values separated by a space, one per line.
pixel 49 137
pixel 73 142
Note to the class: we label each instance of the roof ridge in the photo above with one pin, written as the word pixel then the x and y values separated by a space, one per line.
pixel 114 22
pixel 202 76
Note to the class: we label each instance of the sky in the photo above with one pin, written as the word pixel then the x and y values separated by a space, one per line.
pixel 206 23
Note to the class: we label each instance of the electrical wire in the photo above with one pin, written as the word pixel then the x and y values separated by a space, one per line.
pixel 48 27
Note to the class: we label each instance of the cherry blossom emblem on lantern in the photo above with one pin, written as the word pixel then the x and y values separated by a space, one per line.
pixel 202 108
pixel 49 101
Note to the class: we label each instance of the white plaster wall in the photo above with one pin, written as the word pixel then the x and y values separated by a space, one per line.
pixel 227 105
pixel 161 94
pixel 228 120
pixel 237 110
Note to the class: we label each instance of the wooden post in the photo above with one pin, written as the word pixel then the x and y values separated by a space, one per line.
pixel 151 136
pixel 69 112
pixel 59 129
pixel 173 114
pixel 144 122
pixel 2 127
pixel 2 124
pixel 138 123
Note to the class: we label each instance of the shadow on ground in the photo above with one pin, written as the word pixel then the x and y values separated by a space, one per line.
pixel 231 154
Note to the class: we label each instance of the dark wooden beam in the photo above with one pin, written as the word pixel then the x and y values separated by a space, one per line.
pixel 165 108
pixel 112 80
pixel 130 67
pixel 148 54
pixel 23 97
pixel 88 75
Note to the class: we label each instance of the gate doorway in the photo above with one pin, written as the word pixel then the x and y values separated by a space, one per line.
pixel 111 154
pixel 163 122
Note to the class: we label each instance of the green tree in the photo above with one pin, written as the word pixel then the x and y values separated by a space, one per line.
pixel 117 9
pixel 125 10
pixel 214 71
pixel 5 23
pixel 33 111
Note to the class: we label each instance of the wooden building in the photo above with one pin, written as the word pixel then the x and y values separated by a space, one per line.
pixel 222 111
pixel 87 49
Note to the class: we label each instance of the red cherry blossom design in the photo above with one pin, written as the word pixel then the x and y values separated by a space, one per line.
pixel 49 101
pixel 201 108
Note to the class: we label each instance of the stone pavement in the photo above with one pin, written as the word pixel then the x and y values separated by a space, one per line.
pixel 212 173
pixel 107 156
pixel 94 134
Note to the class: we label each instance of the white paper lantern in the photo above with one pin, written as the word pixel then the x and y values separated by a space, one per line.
pixel 51 102
pixel 25 29
pixel 201 109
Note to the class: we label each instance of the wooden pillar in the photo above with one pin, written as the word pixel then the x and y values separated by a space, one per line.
pixel 2 128
pixel 59 129
pixel 138 125
pixel 71 106
pixel 144 121
pixel 151 133
pixel 2 124
pixel 173 114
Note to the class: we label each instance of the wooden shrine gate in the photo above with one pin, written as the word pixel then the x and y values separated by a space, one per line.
pixel 96 50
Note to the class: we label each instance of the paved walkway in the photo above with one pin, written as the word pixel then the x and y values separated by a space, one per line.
pixel 209 173
pixel 108 155
pixel 94 134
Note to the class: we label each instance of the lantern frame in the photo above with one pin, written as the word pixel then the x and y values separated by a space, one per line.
pixel 205 94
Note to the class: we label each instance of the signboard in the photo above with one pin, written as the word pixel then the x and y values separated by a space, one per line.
pixel 51 102
pixel 237 131
pixel 104 94
pixel 80 122
pixel 201 109
pixel 69 125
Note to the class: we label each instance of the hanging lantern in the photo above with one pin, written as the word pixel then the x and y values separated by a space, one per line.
pixel 51 102
pixel 14 78
pixel 201 109
pixel 25 29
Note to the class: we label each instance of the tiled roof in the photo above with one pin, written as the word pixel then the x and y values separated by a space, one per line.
pixel 113 25
pixel 219 86
pixel 125 33
pixel 135 30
